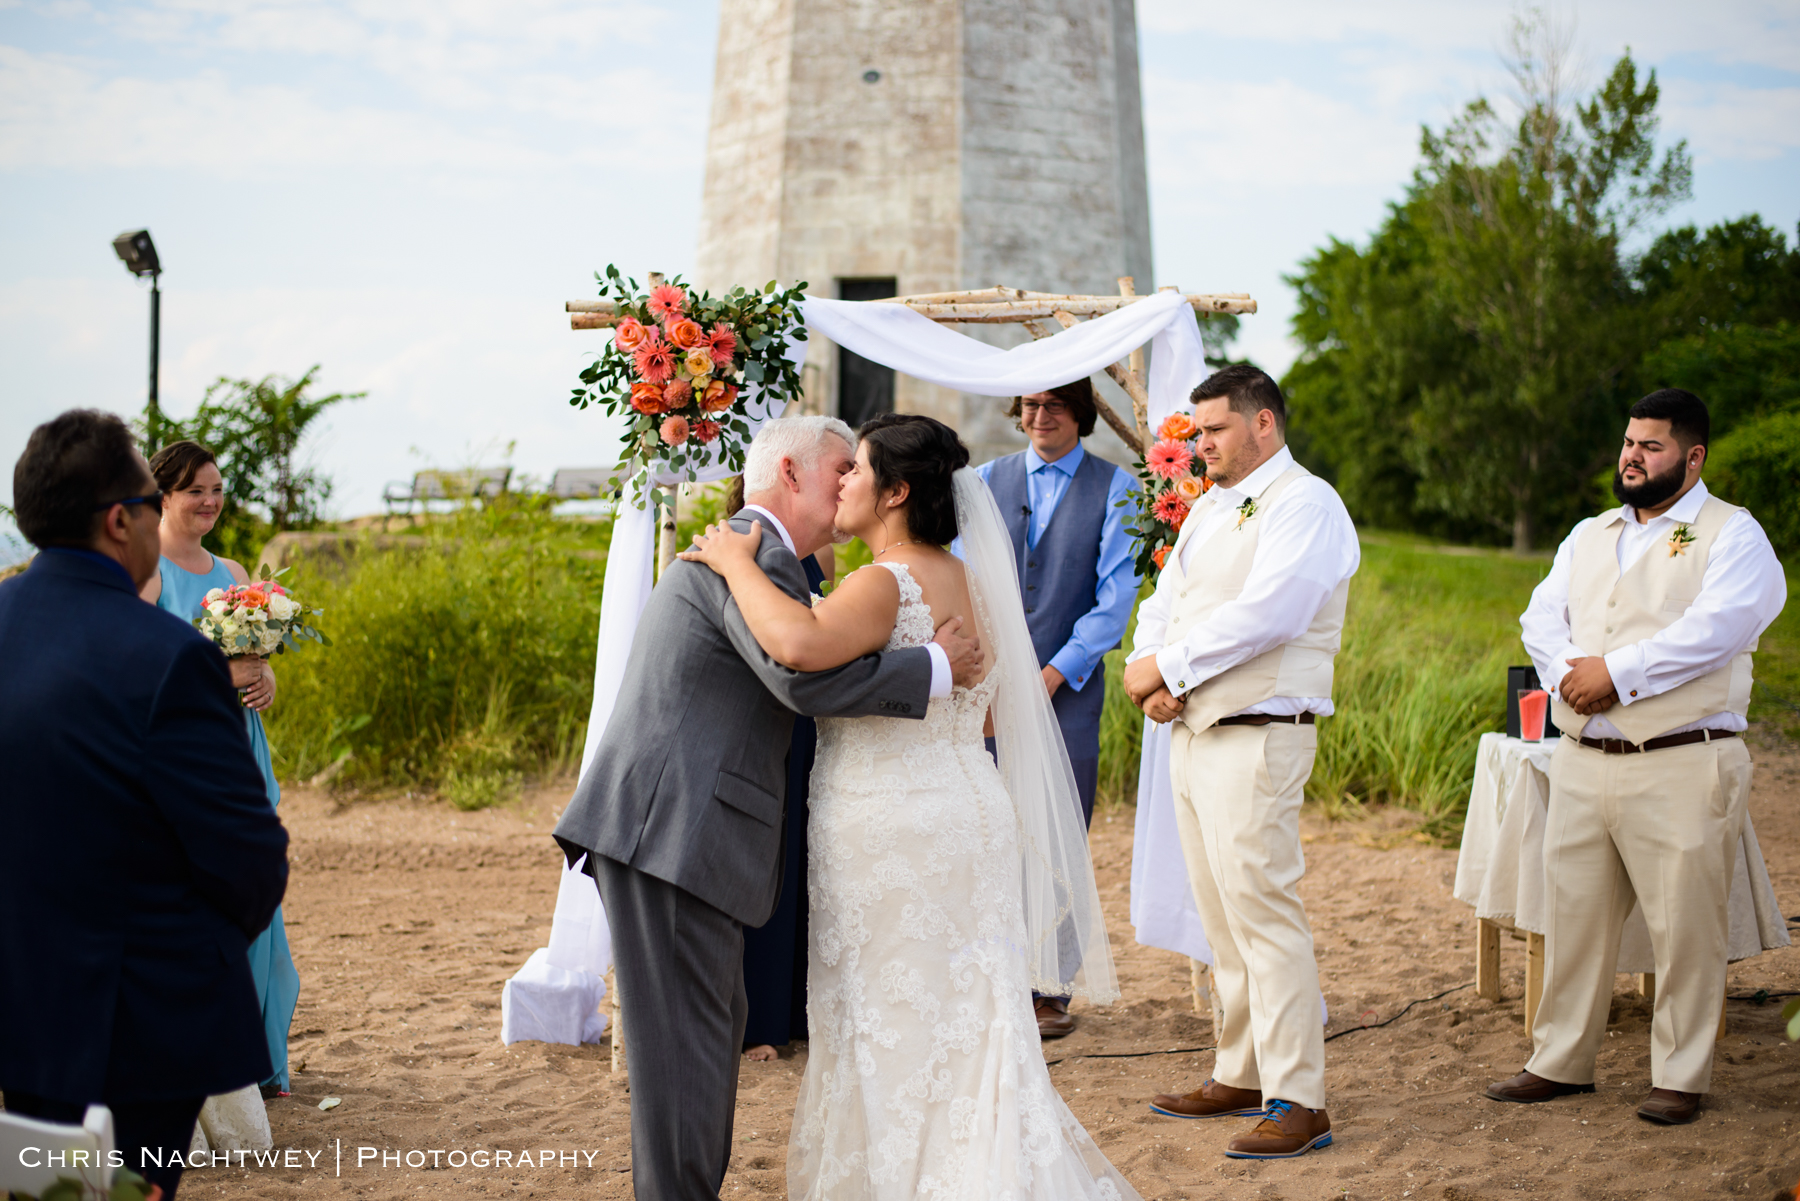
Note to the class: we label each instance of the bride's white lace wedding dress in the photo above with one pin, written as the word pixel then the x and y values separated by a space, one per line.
pixel 925 1077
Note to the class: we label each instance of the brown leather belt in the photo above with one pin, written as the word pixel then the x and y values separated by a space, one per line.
pixel 1618 746
pixel 1263 719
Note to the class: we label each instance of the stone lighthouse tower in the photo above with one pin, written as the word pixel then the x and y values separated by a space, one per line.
pixel 890 147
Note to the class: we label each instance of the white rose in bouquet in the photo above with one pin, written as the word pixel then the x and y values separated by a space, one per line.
pixel 281 607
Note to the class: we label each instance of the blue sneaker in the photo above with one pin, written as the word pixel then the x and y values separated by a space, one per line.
pixel 1287 1131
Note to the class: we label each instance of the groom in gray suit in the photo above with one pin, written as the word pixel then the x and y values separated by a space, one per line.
pixel 681 811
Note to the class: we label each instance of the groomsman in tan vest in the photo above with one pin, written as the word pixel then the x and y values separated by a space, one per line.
pixel 1643 631
pixel 1236 648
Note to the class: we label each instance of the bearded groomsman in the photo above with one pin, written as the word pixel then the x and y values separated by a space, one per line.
pixel 1062 505
pixel 1643 631
pixel 1237 646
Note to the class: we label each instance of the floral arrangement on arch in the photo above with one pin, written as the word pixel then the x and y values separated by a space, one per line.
pixel 678 367
pixel 1174 478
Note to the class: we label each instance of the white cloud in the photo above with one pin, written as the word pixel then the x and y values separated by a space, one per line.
pixel 1728 121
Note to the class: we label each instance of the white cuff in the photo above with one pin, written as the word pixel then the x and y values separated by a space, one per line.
pixel 940 670
pixel 1626 666
pixel 1176 673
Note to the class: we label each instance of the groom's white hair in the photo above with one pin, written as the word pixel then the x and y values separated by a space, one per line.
pixel 801 439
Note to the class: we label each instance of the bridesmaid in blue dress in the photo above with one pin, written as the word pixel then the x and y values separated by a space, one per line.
pixel 193 497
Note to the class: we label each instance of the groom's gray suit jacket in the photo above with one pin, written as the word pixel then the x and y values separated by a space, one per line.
pixel 689 782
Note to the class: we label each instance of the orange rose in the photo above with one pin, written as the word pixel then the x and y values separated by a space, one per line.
pixel 630 334
pixel 685 332
pixel 1160 557
pixel 1176 426
pixel 718 396
pixel 1189 488
pixel 646 398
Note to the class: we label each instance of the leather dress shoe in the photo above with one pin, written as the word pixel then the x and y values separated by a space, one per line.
pixel 1286 1131
pixel 1053 1018
pixel 1527 1089
pixel 1210 1100
pixel 1669 1107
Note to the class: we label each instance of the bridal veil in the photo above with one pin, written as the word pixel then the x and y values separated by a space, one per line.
pixel 1067 951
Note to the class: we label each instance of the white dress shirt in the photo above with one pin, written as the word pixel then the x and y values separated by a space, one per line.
pixel 1742 591
pixel 1307 547
pixel 940 661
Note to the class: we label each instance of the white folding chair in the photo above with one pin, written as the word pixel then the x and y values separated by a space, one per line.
pixel 35 1154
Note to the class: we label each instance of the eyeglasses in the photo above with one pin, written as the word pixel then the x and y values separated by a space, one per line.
pixel 153 499
pixel 1054 408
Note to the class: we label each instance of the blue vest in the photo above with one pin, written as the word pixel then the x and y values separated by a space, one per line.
pixel 1059 577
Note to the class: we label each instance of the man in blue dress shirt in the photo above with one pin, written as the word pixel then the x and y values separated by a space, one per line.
pixel 1062 507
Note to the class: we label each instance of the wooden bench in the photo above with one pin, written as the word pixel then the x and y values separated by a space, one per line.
pixel 585 483
pixel 481 483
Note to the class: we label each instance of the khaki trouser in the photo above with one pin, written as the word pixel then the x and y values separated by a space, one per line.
pixel 1237 808
pixel 1659 828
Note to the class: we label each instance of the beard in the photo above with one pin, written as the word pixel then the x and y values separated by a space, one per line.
pixel 1653 491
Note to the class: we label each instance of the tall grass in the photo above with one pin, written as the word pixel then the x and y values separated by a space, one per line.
pixel 1421 676
pixel 461 665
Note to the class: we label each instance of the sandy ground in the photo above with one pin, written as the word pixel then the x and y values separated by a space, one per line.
pixel 406 917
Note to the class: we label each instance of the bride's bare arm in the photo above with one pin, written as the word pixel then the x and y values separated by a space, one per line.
pixel 857 620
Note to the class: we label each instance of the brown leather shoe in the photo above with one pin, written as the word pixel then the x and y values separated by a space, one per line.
pixel 1669 1107
pixel 1527 1089
pixel 1210 1100
pixel 1053 1017
pixel 1286 1131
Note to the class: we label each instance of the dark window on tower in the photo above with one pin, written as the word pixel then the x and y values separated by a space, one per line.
pixel 864 388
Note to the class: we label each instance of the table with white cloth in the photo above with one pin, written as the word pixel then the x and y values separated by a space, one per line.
pixel 1501 874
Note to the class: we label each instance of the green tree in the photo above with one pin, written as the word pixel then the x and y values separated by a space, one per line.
pixel 255 427
pixel 1479 346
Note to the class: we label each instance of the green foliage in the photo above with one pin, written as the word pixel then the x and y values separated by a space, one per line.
pixel 1776 698
pixel 1462 374
pixel 463 664
pixel 1758 465
pixel 255 428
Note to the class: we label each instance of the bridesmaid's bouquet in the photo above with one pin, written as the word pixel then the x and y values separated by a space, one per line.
pixel 259 618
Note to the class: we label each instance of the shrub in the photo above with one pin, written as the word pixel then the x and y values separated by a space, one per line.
pixel 1757 465
pixel 461 665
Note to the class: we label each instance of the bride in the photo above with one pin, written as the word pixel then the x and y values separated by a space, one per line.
pixel 943 890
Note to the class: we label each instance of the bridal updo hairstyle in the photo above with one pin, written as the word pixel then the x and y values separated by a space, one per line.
pixel 176 464
pixel 923 454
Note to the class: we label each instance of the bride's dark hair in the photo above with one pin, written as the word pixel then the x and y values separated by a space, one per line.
pixel 922 453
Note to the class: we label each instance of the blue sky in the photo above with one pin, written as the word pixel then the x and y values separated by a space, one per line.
pixel 405 191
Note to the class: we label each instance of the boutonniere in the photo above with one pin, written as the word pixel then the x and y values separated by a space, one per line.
pixel 1680 540
pixel 1246 511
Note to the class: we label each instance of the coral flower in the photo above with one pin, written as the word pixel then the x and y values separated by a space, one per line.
pixel 647 398
pixel 685 332
pixel 1161 556
pixel 724 343
pixel 666 301
pixel 718 396
pixel 1178 427
pixel 1189 489
pixel 1167 459
pixel 675 430
pixel 655 361
pixel 706 430
pixel 1170 509
pixel 699 360
pixel 676 393
pixel 630 334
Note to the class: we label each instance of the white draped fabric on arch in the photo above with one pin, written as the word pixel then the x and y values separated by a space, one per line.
pixel 897 337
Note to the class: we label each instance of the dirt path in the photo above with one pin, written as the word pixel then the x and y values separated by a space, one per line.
pixel 405 918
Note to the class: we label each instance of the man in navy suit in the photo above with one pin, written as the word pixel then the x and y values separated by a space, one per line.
pixel 140 855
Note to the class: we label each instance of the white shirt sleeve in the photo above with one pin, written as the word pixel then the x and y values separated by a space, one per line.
pixel 940 670
pixel 1544 627
pixel 1306 549
pixel 1742 591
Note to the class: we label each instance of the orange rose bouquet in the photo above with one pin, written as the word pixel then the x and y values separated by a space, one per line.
pixel 679 366
pixel 1174 478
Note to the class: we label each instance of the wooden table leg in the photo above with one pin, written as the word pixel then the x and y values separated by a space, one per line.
pixel 1487 959
pixel 1646 986
pixel 1534 978
pixel 618 1032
